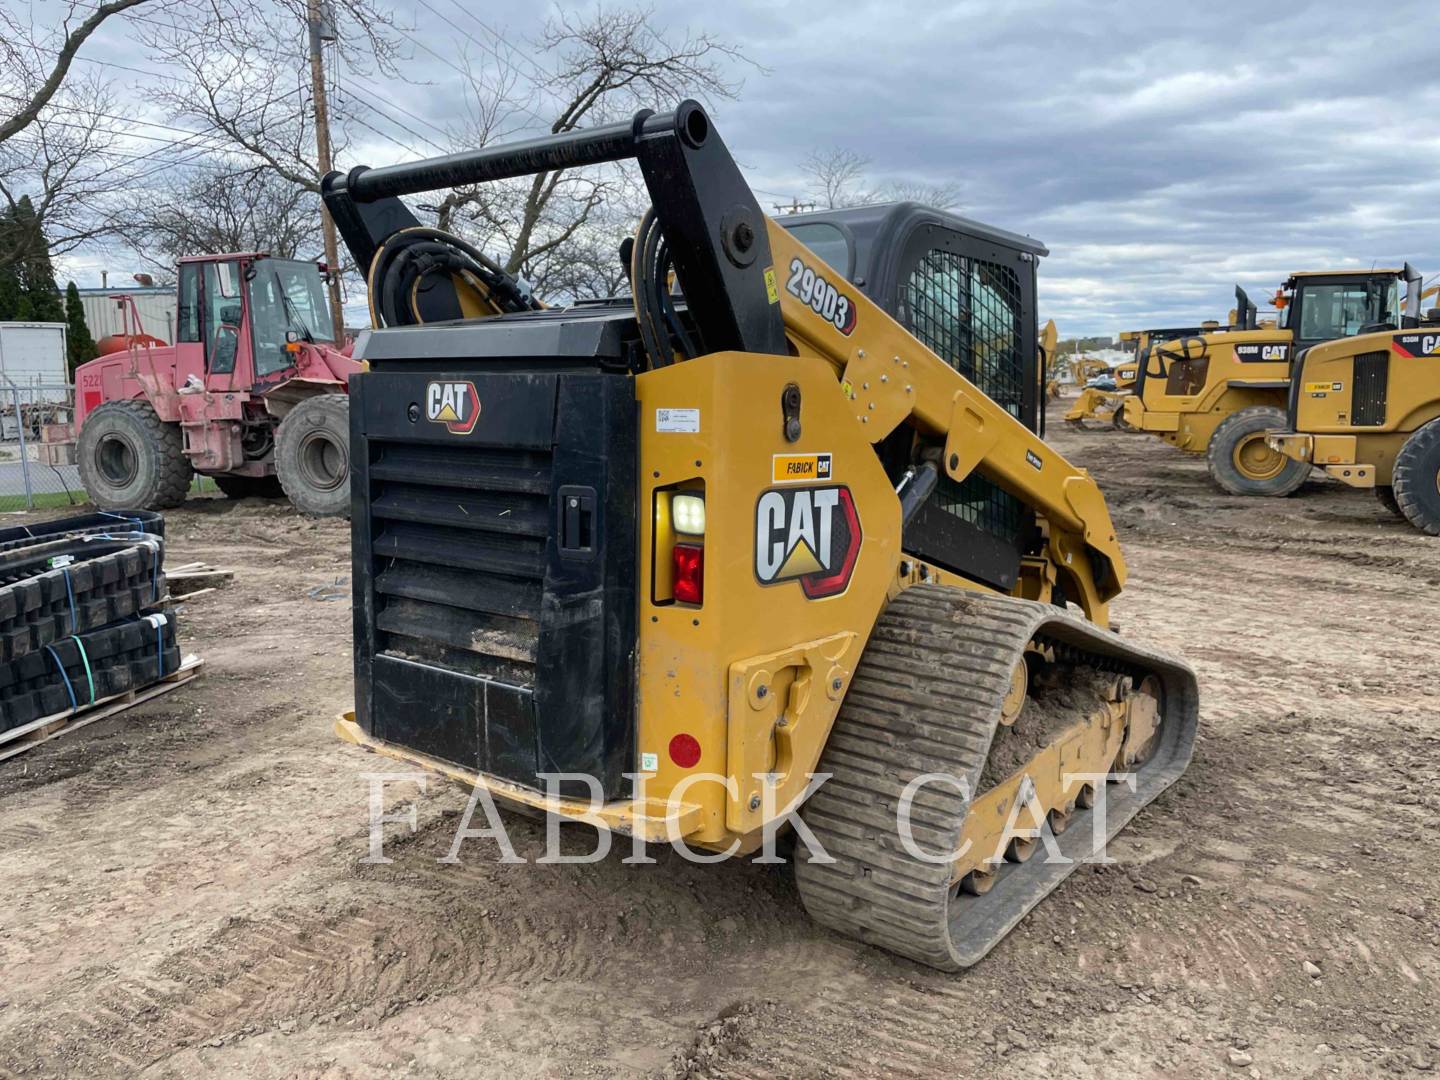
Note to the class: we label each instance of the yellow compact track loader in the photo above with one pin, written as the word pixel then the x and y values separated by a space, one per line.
pixel 662 563
pixel 1367 411
pixel 1218 394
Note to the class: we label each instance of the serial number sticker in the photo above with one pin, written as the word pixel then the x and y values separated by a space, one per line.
pixel 799 468
pixel 682 421
pixel 649 762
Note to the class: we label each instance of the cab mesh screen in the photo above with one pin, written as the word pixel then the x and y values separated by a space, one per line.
pixel 967 312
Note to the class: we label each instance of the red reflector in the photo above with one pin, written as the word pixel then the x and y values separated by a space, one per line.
pixel 689 560
pixel 685 751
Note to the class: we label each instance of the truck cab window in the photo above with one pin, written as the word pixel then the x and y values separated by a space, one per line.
pixel 286 298
pixel 188 312
pixel 222 315
pixel 1336 311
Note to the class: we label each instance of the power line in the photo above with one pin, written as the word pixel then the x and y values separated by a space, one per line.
pixel 469 75
pixel 544 75
pixel 364 100
pixel 389 138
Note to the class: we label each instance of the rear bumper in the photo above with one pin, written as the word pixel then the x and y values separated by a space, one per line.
pixel 1333 453
pixel 652 820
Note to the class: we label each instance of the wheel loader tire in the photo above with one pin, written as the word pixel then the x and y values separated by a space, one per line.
pixel 312 455
pixel 1241 462
pixel 926 701
pixel 1417 479
pixel 130 459
pixel 1386 495
pixel 250 487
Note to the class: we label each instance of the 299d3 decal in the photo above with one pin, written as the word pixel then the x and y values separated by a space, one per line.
pixel 824 298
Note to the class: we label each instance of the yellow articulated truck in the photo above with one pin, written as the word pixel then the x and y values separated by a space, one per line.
pixel 1218 394
pixel 663 562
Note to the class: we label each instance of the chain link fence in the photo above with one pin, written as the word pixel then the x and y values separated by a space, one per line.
pixel 37 449
pixel 36 457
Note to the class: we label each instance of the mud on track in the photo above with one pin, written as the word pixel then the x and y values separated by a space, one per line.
pixel 183 893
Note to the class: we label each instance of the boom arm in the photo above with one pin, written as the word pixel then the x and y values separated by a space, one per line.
pixel 893 379
pixel 744 280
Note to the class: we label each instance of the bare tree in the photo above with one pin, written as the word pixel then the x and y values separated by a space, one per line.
pixel 835 176
pixel 33 66
pixel 607 63
pixel 217 208
pixel 839 178
pixel 63 162
pixel 238 77
pixel 941 196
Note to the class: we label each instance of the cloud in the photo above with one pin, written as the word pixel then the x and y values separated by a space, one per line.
pixel 1161 153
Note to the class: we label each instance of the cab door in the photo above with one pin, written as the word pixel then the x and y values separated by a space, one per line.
pixel 972 302
pixel 227 363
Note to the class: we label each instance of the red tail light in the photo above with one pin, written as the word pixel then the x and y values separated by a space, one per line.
pixel 689 564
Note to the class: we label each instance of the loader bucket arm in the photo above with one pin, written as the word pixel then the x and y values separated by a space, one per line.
pixel 752 287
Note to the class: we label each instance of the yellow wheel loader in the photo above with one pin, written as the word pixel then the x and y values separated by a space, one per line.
pixel 1106 406
pixel 1218 394
pixel 780 535
pixel 1367 411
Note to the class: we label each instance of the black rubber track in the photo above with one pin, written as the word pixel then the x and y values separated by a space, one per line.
pixel 108 580
pixel 97 524
pixel 125 656
pixel 926 699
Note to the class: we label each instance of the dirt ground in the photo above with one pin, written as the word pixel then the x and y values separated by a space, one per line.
pixel 183 892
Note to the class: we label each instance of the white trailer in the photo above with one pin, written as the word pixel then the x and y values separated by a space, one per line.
pixel 33 354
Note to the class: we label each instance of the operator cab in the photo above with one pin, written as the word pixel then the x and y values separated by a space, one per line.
pixel 967 291
pixel 1326 305
pixel 244 309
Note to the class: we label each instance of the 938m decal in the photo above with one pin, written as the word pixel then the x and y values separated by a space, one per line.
pixel 1416 345
pixel 824 298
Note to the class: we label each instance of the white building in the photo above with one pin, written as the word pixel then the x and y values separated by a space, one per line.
pixel 156 305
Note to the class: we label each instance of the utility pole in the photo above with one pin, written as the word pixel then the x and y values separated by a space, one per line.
pixel 795 207
pixel 321 26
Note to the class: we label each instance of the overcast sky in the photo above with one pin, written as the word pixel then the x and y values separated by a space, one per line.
pixel 1162 154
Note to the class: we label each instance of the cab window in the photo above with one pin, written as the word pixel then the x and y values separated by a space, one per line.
pixel 222 315
pixel 967 312
pixel 287 302
pixel 826 241
pixel 1342 310
pixel 188 313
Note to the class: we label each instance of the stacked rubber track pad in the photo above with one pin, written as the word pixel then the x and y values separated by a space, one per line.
pixel 81 614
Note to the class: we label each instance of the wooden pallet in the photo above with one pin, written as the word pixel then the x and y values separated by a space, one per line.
pixel 28 736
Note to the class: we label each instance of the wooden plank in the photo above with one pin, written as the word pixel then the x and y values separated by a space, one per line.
pixel 189 581
pixel 31 735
